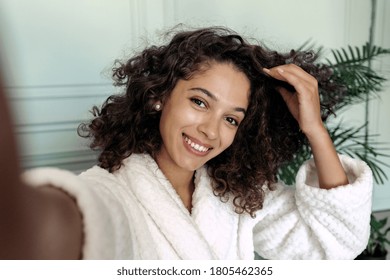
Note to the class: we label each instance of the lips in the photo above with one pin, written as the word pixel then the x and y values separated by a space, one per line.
pixel 197 146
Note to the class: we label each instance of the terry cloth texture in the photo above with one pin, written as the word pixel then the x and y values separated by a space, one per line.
pixel 135 213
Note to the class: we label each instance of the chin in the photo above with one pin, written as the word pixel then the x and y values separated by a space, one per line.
pixel 192 165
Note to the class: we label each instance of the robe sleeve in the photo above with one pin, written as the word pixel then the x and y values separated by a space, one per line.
pixel 105 227
pixel 306 222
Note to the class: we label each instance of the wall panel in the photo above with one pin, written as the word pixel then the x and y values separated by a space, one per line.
pixel 59 54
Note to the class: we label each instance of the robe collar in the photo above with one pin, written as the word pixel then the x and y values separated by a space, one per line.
pixel 207 233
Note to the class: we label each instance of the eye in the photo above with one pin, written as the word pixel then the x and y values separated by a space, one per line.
pixel 199 102
pixel 232 121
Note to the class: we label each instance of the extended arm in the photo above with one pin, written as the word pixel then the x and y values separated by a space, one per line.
pixel 35 223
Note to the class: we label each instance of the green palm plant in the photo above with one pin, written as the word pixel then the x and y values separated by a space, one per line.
pixel 378 239
pixel 350 68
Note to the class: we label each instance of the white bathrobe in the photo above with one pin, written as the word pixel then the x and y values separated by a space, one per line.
pixel 135 213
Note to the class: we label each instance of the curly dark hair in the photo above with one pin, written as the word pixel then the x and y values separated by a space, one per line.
pixel 268 136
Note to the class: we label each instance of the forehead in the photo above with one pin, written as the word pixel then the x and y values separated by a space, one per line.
pixel 224 80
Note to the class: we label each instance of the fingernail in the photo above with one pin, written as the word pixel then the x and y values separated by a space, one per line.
pixel 280 70
pixel 266 70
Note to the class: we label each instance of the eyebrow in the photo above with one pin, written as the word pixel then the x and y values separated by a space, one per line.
pixel 213 97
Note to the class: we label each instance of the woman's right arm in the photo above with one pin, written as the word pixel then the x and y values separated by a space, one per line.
pixel 35 223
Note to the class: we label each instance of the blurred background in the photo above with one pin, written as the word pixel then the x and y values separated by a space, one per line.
pixel 57 56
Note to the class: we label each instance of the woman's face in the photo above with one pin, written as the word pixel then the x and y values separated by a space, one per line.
pixel 200 118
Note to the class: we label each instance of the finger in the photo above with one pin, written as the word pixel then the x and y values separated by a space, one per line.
pixel 273 73
pixel 278 79
pixel 295 75
pixel 298 71
pixel 278 72
pixel 301 85
pixel 305 95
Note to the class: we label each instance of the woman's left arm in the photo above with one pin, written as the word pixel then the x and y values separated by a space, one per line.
pixel 304 105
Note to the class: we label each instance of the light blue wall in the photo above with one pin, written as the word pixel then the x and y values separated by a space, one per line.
pixel 59 53
pixel 57 66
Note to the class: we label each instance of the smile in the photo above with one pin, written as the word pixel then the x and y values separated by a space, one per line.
pixel 196 146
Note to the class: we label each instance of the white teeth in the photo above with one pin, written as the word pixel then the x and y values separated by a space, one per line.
pixel 196 146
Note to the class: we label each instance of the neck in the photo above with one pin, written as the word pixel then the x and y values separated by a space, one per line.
pixel 181 180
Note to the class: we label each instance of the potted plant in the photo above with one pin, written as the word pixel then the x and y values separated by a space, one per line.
pixel 379 238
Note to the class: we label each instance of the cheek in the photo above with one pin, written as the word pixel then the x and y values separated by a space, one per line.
pixel 166 127
pixel 173 122
pixel 228 137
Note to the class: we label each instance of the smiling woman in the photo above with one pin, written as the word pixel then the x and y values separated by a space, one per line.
pixel 199 121
pixel 189 153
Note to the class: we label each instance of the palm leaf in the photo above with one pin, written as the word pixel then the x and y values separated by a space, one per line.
pixel 349 141
pixel 356 56
pixel 352 141
pixel 309 45
pixel 350 68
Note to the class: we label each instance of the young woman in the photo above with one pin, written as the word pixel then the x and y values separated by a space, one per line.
pixel 188 165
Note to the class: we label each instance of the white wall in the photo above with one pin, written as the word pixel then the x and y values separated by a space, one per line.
pixel 56 67
pixel 59 53
pixel 379 109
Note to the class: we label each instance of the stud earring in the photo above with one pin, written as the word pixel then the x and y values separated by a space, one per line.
pixel 157 107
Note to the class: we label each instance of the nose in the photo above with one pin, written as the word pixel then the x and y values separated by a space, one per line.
pixel 210 128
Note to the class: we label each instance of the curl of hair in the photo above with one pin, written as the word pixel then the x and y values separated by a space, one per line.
pixel 267 137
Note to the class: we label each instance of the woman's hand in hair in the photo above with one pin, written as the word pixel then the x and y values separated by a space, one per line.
pixel 304 103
